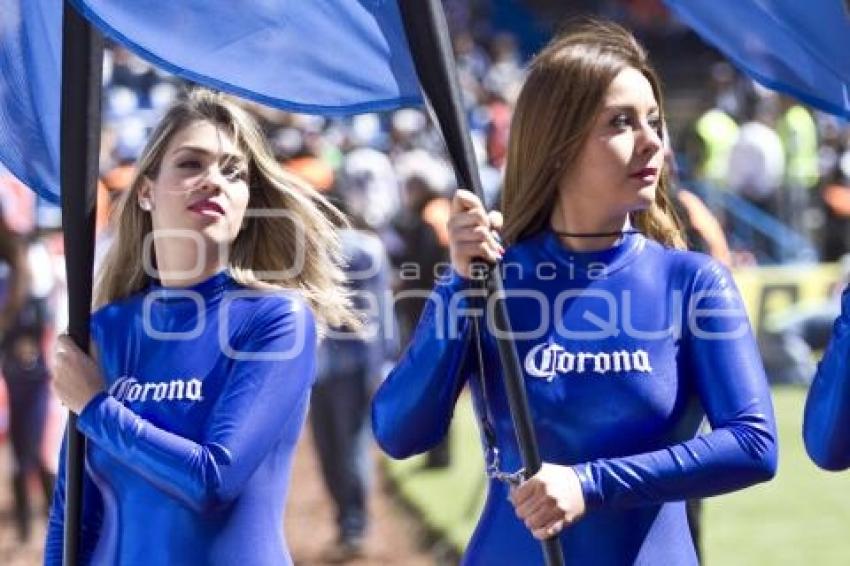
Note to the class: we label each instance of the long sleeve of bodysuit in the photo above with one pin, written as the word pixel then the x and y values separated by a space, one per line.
pixel 720 354
pixel 826 426
pixel 413 408
pixel 269 383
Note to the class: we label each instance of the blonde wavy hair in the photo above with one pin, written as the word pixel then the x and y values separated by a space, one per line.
pixel 265 243
pixel 555 111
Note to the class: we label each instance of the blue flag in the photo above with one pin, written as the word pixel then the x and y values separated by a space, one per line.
pixel 30 66
pixel 798 47
pixel 312 56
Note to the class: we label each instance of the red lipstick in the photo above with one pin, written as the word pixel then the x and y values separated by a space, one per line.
pixel 206 206
pixel 645 173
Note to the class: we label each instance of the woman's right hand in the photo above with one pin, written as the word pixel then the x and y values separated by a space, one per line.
pixel 76 375
pixel 472 233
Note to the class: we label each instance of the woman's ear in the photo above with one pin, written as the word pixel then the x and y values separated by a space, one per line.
pixel 145 194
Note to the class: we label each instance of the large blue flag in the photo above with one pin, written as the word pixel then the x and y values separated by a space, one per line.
pixel 314 56
pixel 30 65
pixel 800 47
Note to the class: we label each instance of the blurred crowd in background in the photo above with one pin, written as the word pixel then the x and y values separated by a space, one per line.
pixel 761 180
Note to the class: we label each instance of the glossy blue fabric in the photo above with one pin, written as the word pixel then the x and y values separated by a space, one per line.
pixel 333 57
pixel 794 47
pixel 624 351
pixel 826 426
pixel 190 450
pixel 300 44
pixel 30 91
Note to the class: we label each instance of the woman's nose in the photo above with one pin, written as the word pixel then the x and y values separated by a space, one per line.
pixel 214 179
pixel 651 140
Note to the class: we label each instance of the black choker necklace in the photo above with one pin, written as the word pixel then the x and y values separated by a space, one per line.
pixel 595 234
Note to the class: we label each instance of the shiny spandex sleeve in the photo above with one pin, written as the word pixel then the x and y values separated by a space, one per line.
pixel 826 426
pixel 261 395
pixel 92 516
pixel 411 414
pixel 721 357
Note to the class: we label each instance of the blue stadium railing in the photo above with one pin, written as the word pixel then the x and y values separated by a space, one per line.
pixel 750 228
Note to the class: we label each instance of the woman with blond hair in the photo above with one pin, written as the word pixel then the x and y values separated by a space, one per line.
pixel 625 339
pixel 223 271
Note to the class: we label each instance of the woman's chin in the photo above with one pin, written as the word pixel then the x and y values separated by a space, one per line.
pixel 216 233
pixel 645 198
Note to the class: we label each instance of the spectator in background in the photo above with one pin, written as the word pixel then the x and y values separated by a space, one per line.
pixel 717 132
pixel 313 170
pixel 472 64
pixel 757 164
pixel 702 230
pixel 757 158
pixel 129 138
pixel 789 339
pixel 498 130
pixel 372 186
pixel 506 72
pixel 349 367
pixel 111 188
pixel 730 89
pixel 135 74
pixel 799 135
pixel 24 319
pixel 410 131
pixel 835 196
pixel 424 249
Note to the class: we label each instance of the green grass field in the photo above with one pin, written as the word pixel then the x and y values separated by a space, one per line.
pixel 802 517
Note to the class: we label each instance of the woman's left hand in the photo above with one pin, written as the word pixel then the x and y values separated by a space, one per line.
pixel 76 376
pixel 549 501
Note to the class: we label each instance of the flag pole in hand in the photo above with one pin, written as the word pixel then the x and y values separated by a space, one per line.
pixel 430 45
pixel 82 60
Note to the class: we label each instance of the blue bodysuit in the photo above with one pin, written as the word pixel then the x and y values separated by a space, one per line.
pixel 826 426
pixel 623 352
pixel 190 448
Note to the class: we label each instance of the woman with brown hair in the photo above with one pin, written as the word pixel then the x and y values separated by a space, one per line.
pixel 626 340
pixel 223 272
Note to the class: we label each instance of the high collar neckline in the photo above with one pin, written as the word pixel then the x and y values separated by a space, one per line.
pixel 604 261
pixel 210 287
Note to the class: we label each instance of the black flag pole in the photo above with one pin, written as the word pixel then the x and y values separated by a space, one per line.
pixel 82 60
pixel 430 45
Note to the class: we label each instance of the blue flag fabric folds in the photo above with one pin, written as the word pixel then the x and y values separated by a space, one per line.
pixel 793 46
pixel 312 56
pixel 30 68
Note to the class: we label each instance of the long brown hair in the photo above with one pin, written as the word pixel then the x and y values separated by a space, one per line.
pixel 555 111
pixel 267 244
